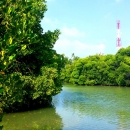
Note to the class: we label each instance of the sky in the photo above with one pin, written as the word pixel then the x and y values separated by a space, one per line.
pixel 88 27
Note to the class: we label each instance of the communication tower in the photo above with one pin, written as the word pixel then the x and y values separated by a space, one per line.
pixel 118 40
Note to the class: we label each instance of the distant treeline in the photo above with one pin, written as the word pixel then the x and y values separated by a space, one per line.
pixel 113 70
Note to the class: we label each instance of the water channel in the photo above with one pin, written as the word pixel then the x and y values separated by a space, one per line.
pixel 78 108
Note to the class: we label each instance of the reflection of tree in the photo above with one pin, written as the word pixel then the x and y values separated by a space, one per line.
pixel 41 119
pixel 123 121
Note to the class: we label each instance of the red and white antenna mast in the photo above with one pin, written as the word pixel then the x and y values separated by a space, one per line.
pixel 118 41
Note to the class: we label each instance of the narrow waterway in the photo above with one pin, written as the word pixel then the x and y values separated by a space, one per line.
pixel 78 108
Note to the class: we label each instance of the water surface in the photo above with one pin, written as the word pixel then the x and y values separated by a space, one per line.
pixel 94 108
pixel 78 108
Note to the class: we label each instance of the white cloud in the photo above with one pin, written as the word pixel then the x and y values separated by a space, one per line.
pixel 78 48
pixel 70 41
pixel 72 32
pixel 65 31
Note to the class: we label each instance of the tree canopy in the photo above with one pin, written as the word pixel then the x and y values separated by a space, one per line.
pixel 105 70
pixel 29 66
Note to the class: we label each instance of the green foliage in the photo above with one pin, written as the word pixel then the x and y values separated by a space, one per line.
pixel 82 79
pixel 100 70
pixel 17 20
pixel 29 66
pixel 1 111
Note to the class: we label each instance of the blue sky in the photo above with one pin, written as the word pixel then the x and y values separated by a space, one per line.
pixel 88 27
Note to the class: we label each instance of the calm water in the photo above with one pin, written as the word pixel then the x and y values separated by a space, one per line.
pixel 78 108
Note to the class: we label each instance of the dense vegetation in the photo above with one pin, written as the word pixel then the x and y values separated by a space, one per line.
pixel 109 69
pixel 30 70
pixel 29 67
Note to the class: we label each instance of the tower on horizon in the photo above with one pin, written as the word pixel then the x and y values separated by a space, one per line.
pixel 118 40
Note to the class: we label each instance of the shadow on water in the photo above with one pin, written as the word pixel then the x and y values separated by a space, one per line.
pixel 94 108
pixel 40 119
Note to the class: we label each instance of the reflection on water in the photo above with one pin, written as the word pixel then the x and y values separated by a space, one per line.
pixel 42 119
pixel 94 108
pixel 78 108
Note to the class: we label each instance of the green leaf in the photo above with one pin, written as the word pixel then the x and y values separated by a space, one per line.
pixel 1 90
